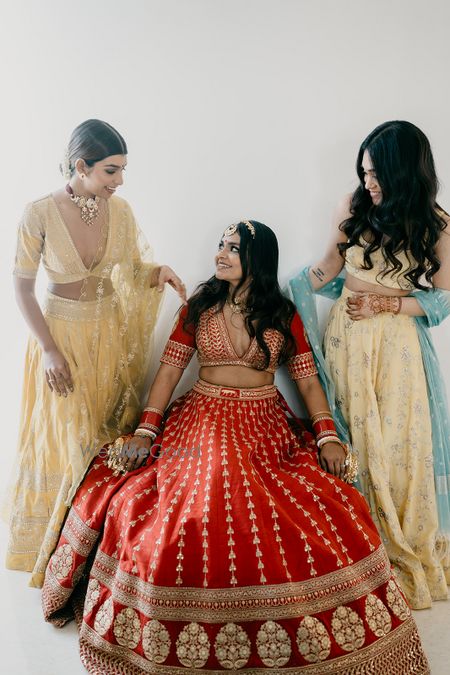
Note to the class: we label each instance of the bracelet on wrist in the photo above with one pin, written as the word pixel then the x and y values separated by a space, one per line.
pixel 328 439
pixel 151 420
pixel 145 433
pixel 323 425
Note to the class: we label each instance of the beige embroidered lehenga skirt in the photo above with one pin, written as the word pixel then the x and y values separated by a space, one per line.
pixel 59 436
pixel 376 365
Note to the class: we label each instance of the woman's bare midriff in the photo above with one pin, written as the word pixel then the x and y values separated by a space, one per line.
pixel 354 284
pixel 82 290
pixel 235 376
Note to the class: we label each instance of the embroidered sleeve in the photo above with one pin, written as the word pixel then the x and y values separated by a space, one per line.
pixel 30 242
pixel 180 346
pixel 302 363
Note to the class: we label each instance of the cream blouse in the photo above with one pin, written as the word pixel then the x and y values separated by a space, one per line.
pixel 43 235
pixel 395 279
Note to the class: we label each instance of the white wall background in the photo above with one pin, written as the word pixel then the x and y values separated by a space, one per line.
pixel 230 108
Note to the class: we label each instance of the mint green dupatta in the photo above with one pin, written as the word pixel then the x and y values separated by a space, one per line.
pixel 436 305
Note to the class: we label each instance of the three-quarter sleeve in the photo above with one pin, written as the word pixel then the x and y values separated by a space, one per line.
pixel 30 243
pixel 180 346
pixel 302 363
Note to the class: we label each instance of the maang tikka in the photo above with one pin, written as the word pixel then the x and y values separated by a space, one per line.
pixel 231 229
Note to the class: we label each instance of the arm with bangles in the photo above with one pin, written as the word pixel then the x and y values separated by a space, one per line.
pixel 332 454
pixel 57 371
pixel 137 449
pixel 177 354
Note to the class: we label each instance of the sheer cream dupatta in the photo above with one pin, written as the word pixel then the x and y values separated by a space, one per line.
pixel 129 315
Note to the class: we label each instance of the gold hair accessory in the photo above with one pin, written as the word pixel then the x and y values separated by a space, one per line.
pixel 88 205
pixel 65 166
pixel 231 229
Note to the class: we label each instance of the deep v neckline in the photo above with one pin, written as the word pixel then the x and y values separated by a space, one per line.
pixel 92 266
pixel 229 341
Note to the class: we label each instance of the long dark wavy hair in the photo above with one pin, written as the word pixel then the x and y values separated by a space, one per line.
pixel 407 219
pixel 267 306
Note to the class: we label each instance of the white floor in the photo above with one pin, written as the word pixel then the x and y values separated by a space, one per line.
pixel 32 647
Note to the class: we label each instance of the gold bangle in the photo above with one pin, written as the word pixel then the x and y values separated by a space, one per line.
pixel 155 410
pixel 320 412
pixel 145 433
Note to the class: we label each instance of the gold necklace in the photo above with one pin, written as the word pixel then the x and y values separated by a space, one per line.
pixel 238 306
pixel 88 205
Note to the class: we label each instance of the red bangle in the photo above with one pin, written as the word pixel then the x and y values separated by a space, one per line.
pixel 324 426
pixel 151 419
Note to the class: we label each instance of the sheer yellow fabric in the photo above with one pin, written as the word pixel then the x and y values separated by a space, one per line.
pixel 105 336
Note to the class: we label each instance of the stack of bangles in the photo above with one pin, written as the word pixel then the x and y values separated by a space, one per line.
pixel 325 432
pixel 150 423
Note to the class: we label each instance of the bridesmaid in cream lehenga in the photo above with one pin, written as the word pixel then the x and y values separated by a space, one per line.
pixel 393 240
pixel 90 346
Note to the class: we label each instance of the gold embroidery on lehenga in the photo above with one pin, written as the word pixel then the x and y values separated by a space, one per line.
pixel 62 561
pixel 92 596
pixel 396 601
pixel 78 534
pixel 156 641
pixel 78 573
pixel 232 647
pixel 228 509
pixel 273 645
pixel 243 603
pixel 193 646
pixel 398 653
pixel 104 617
pixel 377 616
pixel 348 629
pixel 254 529
pixel 127 628
pixel 313 640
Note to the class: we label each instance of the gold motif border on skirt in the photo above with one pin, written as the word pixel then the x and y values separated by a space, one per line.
pixel 398 652
pixel 248 603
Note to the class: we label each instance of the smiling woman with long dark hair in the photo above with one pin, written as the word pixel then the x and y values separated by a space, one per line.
pixel 393 239
pixel 240 548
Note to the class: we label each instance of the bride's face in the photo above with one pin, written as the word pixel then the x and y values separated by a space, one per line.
pixel 228 261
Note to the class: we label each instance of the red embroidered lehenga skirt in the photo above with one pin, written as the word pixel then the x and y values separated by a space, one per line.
pixel 233 551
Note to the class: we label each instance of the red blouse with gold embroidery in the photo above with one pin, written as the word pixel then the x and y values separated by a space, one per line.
pixel 214 346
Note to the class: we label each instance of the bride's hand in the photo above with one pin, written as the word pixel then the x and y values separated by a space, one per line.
pixel 332 459
pixel 135 452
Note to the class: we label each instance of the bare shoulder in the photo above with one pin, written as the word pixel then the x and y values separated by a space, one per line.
pixel 340 214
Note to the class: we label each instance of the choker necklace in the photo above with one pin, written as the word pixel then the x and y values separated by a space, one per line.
pixel 238 306
pixel 88 206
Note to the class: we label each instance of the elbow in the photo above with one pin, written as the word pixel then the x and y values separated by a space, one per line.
pixel 307 385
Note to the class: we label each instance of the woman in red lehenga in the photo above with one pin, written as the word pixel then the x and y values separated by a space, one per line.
pixel 240 548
